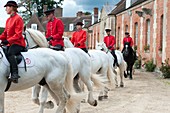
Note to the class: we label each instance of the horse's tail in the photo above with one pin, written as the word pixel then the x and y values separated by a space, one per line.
pixel 97 81
pixel 75 99
pixel 111 76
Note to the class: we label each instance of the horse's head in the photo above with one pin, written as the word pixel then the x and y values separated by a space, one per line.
pixel 35 38
pixel 67 42
pixel 127 49
pixel 29 41
pixel 101 46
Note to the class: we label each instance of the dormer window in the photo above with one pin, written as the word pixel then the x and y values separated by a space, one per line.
pixel 34 26
pixel 71 27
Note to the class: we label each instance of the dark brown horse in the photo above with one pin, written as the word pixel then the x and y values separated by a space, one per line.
pixel 129 57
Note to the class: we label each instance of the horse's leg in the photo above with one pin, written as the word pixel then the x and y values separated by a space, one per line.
pixel 81 83
pixel 58 91
pixel 35 94
pixel 52 94
pixel 2 102
pixel 130 77
pixel 76 84
pixel 116 82
pixel 104 90
pixel 122 69
pixel 87 81
pixel 43 99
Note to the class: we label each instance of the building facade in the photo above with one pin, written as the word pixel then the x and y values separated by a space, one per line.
pixel 147 23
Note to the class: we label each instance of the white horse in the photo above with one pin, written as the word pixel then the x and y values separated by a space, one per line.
pixel 80 63
pixel 100 65
pixel 56 71
pixel 121 62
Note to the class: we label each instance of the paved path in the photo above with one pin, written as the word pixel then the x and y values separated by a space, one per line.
pixel 146 93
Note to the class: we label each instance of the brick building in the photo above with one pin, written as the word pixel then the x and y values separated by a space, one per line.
pixel 147 23
pixel 39 23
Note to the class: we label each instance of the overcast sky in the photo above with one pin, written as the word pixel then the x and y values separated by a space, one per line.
pixel 70 7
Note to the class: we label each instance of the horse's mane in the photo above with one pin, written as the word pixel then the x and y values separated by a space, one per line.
pixel 67 42
pixel 38 37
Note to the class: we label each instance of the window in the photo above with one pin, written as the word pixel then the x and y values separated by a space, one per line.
pixel 148 32
pixel 161 33
pixel 136 34
pixel 34 26
pixel 71 27
pixel 118 38
pixel 126 28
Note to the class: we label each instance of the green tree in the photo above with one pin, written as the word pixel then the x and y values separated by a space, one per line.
pixel 30 6
pixel 87 13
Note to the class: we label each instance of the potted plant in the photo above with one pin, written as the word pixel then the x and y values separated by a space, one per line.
pixel 150 66
pixel 135 47
pixel 146 48
pixel 165 69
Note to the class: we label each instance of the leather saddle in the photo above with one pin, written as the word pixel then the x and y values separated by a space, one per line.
pixel 19 57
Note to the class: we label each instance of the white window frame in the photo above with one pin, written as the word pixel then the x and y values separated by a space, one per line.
pixel 34 26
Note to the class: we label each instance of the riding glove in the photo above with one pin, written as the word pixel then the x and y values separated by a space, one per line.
pixel 77 44
pixel 49 38
pixel 5 42
pixel 109 47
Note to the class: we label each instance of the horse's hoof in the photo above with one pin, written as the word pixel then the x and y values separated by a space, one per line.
pixel 131 78
pixel 107 89
pixel 95 103
pixel 121 85
pixel 83 101
pixel 100 98
pixel 49 105
pixel 36 101
pixel 105 97
pixel 117 86
pixel 125 76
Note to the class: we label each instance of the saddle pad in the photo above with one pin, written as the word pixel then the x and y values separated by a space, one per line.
pixel 29 60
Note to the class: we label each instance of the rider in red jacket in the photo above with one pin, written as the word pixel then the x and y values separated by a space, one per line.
pixel 12 37
pixel 79 37
pixel 128 39
pixel 54 30
pixel 110 41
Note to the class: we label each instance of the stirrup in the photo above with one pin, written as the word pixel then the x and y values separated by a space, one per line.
pixel 14 78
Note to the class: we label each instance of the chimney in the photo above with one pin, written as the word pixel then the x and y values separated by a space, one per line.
pixel 79 13
pixel 96 13
pixel 58 12
pixel 128 3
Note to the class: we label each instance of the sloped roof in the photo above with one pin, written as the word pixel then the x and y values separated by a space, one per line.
pixel 137 3
pixel 73 20
pixel 108 8
pixel 66 21
pixel 121 6
pixel 35 19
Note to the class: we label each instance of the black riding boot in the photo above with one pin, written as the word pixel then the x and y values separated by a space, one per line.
pixel 14 69
pixel 115 61
pixel 115 57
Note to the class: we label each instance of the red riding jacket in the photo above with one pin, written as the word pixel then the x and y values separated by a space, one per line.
pixel 110 41
pixel 55 29
pixel 128 39
pixel 13 31
pixel 79 37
